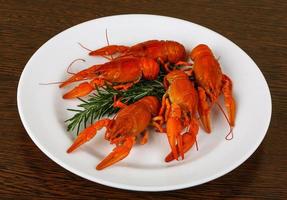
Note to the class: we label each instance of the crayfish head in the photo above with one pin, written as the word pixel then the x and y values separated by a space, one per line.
pixel 174 51
pixel 174 75
pixel 200 51
pixel 207 71
pixel 150 68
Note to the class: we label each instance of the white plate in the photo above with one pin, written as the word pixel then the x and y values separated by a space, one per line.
pixel 43 111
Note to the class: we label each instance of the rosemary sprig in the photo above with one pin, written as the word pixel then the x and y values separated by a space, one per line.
pixel 100 103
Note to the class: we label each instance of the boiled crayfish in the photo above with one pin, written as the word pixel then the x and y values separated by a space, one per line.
pixel 211 83
pixel 179 109
pixel 160 50
pixel 129 123
pixel 124 71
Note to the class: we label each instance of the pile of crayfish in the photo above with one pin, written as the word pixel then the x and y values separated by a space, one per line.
pixel 186 102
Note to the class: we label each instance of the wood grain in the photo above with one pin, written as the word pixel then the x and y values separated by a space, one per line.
pixel 258 27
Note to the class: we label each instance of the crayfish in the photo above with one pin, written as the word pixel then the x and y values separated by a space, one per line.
pixel 183 100
pixel 165 52
pixel 211 83
pixel 125 72
pixel 129 123
pixel 179 109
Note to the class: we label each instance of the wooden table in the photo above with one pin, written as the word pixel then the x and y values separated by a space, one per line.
pixel 258 27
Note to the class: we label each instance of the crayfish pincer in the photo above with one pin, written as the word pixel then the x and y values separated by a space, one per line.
pixel 129 123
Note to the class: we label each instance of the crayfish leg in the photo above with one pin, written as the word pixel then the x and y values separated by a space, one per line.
pixel 88 134
pixel 168 109
pixel 183 63
pixel 203 109
pixel 159 120
pixel 163 104
pixel 118 103
pixel 158 125
pixel 118 153
pixel 144 138
pixel 126 86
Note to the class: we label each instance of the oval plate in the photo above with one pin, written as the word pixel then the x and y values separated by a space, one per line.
pixel 43 111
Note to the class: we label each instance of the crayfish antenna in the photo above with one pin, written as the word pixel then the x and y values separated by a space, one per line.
pixel 84 47
pixel 229 136
pixel 107 38
pixel 70 65
pixel 51 83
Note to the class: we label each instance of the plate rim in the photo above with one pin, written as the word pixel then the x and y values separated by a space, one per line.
pixel 137 187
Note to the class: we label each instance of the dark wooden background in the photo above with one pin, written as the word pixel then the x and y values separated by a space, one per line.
pixel 258 27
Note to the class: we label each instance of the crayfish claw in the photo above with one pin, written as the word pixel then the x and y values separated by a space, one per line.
pixel 188 140
pixel 118 153
pixel 174 128
pixel 81 90
pixel 88 134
